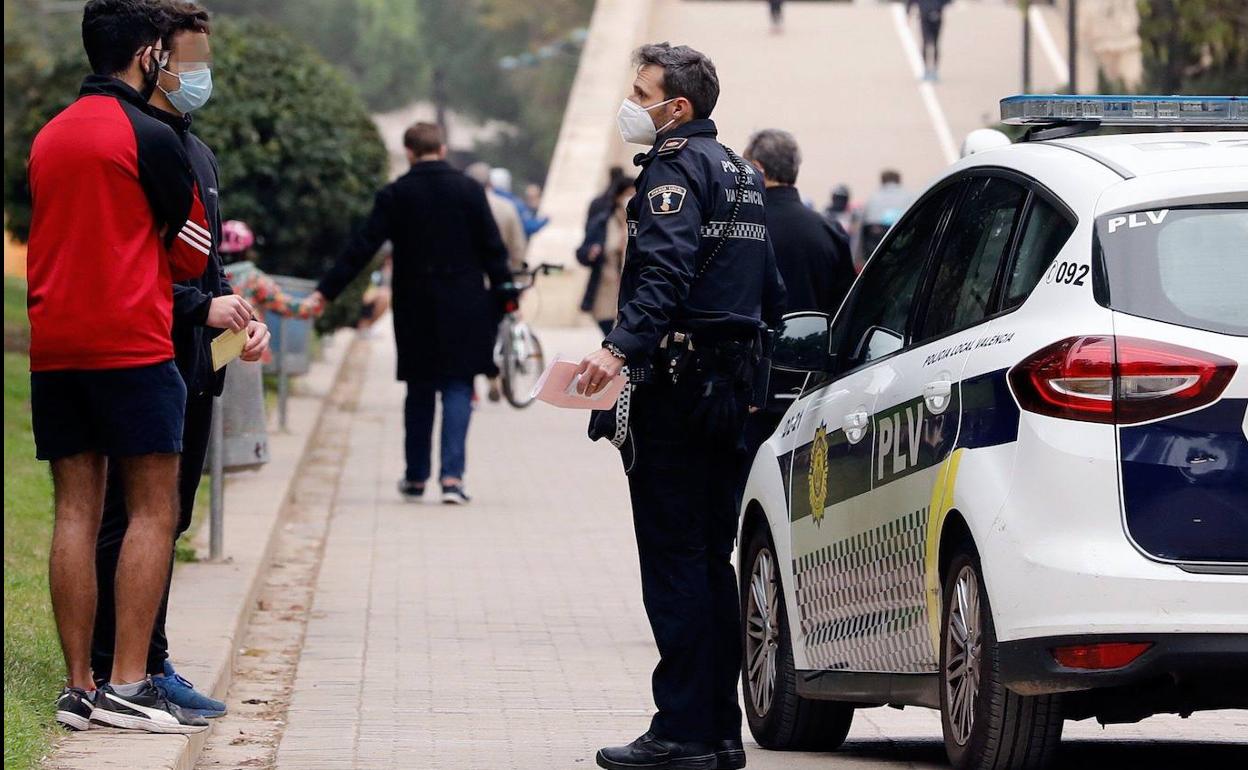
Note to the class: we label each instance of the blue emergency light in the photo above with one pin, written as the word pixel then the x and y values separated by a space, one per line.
pixel 1056 109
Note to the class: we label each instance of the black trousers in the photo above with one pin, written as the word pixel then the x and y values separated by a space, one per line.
pixel 929 26
pixel 683 492
pixel 195 434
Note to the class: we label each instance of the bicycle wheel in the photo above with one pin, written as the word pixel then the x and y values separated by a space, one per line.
pixel 523 364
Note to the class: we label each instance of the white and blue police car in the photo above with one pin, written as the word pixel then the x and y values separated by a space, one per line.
pixel 1014 486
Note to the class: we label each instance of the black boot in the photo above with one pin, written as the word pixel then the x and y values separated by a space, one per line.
pixel 652 752
pixel 729 755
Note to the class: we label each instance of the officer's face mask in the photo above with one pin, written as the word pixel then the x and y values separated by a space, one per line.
pixel 636 126
pixel 194 88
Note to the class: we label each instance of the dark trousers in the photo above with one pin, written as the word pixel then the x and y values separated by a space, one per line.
pixel 195 434
pixel 456 412
pixel 930 28
pixel 683 493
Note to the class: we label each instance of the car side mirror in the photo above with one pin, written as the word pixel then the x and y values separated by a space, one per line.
pixel 801 343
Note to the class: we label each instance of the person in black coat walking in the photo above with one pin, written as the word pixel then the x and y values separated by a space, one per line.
pixel 446 245
pixel 812 254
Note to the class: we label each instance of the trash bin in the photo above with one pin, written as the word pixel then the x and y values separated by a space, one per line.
pixel 290 336
pixel 246 440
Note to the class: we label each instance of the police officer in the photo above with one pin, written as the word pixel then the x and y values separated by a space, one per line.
pixel 699 286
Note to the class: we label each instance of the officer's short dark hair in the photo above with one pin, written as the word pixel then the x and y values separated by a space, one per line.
pixel 185 16
pixel 423 138
pixel 113 31
pixel 686 73
pixel 777 152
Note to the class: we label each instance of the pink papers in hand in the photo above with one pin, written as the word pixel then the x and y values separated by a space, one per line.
pixel 557 387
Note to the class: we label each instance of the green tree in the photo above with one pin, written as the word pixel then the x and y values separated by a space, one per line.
pixel 1195 46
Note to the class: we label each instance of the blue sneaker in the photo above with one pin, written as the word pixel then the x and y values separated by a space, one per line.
pixel 182 693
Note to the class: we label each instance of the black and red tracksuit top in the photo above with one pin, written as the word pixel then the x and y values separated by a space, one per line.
pixel 116 220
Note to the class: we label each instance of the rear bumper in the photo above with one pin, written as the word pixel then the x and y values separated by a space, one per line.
pixel 1179 673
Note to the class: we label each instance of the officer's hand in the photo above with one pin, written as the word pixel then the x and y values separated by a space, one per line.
pixel 257 341
pixel 596 370
pixel 229 312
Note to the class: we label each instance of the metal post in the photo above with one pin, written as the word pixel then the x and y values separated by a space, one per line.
pixel 1026 46
pixel 283 384
pixel 1072 51
pixel 216 488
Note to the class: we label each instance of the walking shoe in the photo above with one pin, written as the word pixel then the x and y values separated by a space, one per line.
pixel 73 708
pixel 180 692
pixel 654 753
pixel 411 491
pixel 453 494
pixel 148 711
pixel 729 755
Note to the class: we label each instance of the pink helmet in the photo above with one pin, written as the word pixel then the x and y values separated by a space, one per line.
pixel 236 237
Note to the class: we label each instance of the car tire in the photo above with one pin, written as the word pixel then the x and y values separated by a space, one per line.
pixel 998 729
pixel 779 719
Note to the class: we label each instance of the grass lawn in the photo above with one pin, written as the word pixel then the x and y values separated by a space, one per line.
pixel 32 657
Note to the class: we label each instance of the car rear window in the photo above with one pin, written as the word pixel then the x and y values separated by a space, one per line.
pixel 1187 266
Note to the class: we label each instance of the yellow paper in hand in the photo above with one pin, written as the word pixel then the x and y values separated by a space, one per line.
pixel 226 347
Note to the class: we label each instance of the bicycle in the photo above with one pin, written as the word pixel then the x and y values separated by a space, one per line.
pixel 517 350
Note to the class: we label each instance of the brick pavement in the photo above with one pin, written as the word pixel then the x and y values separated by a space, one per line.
pixel 510 633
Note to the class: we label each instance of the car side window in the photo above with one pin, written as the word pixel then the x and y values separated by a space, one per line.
pixel 1044 235
pixel 873 323
pixel 970 256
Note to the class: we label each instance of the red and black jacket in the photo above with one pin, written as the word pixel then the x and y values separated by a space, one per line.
pixel 116 220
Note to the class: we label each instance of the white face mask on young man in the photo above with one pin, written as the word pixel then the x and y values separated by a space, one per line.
pixel 635 124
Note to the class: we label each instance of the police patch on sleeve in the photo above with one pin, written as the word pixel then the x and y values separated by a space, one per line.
pixel 666 199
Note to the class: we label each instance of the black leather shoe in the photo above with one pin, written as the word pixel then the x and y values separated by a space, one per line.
pixel 729 755
pixel 652 752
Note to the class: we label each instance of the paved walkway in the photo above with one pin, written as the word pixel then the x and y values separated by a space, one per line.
pixel 510 633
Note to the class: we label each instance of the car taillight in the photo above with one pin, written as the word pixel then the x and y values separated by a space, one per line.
pixel 1103 656
pixel 1118 380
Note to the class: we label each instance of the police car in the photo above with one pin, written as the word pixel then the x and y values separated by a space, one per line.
pixel 1014 486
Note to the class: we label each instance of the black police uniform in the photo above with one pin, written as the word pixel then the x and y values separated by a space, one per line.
pixel 687 410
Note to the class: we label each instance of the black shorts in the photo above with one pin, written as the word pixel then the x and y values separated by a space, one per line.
pixel 115 412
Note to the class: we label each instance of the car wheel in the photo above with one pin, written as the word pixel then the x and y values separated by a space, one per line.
pixel 986 726
pixel 778 717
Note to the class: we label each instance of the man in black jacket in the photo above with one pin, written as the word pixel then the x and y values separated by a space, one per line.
pixel 202 307
pixel 446 244
pixel 813 256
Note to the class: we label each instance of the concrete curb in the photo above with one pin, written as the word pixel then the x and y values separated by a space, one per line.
pixel 210 602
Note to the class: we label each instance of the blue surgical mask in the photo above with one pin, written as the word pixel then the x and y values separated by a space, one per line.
pixel 193 90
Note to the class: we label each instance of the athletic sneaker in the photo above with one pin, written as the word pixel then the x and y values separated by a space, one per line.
pixel 73 708
pixel 149 711
pixel 411 491
pixel 453 494
pixel 182 693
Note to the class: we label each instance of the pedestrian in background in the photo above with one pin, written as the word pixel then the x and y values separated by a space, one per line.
pixel 775 9
pixel 510 228
pixel 446 247
pixel 500 181
pixel 931 17
pixel 813 256
pixel 881 211
pixel 699 287
pixel 603 253
pixel 116 220
pixel 202 307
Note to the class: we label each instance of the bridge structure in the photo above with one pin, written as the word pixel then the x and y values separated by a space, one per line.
pixel 844 77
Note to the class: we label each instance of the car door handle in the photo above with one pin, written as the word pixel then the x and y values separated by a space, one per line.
pixel 856 424
pixel 937 395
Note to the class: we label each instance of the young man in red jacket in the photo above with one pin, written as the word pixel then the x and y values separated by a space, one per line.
pixel 116 220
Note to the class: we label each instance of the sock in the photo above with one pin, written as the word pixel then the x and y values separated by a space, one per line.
pixel 134 688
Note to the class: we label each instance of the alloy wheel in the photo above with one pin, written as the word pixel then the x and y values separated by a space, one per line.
pixel 963 654
pixel 762 631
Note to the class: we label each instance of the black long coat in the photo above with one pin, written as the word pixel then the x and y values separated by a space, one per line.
pixel 446 245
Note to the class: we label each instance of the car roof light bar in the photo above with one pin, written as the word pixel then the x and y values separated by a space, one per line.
pixel 1061 109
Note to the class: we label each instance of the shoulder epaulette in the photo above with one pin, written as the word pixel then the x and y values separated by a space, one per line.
pixel 672 146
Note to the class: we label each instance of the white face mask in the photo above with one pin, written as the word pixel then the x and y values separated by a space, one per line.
pixel 635 124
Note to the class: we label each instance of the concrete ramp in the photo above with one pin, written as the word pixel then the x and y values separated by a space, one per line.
pixel 843 77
